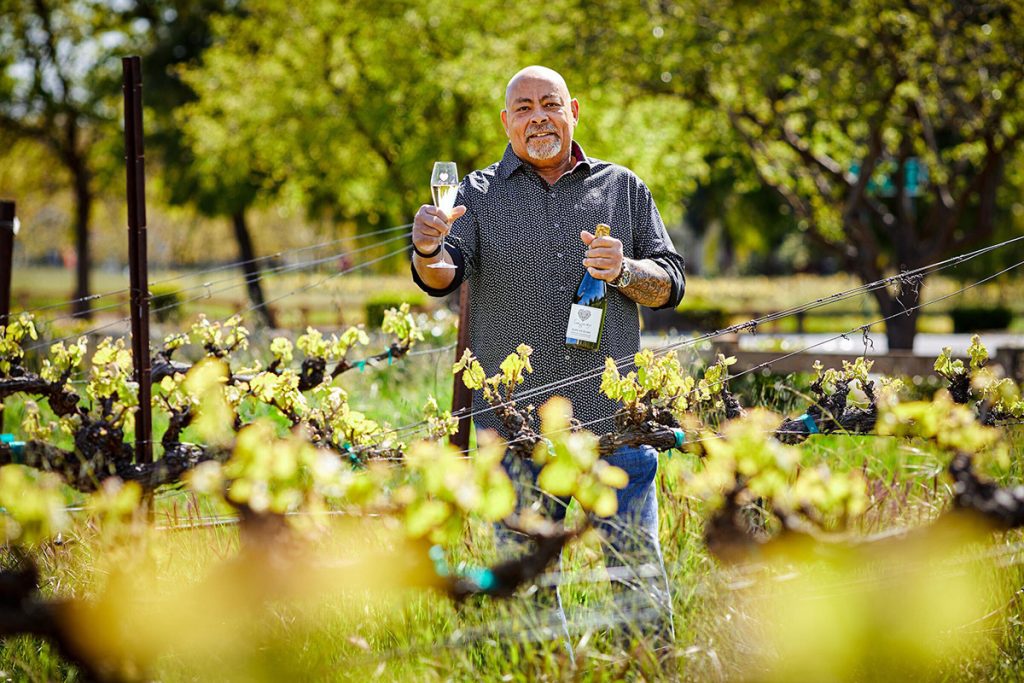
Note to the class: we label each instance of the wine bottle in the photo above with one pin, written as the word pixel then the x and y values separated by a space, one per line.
pixel 586 315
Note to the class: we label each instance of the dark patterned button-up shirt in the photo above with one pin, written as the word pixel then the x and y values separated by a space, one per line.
pixel 518 246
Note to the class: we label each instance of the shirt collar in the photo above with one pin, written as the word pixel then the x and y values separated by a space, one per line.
pixel 510 162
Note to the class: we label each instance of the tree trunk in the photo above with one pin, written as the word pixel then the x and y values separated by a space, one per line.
pixel 863 254
pixel 250 268
pixel 81 308
pixel 901 328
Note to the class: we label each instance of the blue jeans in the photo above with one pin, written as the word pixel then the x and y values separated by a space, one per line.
pixel 632 551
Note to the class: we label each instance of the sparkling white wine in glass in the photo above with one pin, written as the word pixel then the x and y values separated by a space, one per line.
pixel 444 187
pixel 444 196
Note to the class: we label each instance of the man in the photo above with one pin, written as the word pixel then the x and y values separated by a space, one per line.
pixel 521 235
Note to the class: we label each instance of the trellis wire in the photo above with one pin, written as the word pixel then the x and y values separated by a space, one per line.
pixel 204 296
pixel 246 280
pixel 207 294
pixel 750 324
pixel 306 288
pixel 658 350
pixel 662 350
pixel 214 269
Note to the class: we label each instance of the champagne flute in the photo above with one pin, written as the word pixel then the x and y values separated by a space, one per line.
pixel 444 187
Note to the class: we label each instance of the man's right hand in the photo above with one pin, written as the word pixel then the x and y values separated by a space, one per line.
pixel 430 226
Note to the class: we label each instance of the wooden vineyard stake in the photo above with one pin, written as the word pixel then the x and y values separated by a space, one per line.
pixel 462 396
pixel 6 266
pixel 136 181
pixel 6 258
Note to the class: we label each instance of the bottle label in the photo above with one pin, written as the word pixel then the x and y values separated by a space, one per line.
pixel 584 323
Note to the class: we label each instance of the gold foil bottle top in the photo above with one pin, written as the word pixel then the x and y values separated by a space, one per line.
pixel 602 230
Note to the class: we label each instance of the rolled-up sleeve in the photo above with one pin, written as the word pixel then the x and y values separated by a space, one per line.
pixel 461 245
pixel 651 241
pixel 460 274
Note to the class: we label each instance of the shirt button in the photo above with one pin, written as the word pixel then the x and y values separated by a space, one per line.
pixel 567 357
pixel 561 289
pixel 552 194
pixel 560 254
pixel 557 225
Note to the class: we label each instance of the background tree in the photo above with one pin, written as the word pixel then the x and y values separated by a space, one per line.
pixel 843 106
pixel 59 80
pixel 336 109
pixel 179 33
pixel 329 107
pixel 340 108
pixel 735 225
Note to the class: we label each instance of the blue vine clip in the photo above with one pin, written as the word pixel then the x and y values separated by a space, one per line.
pixel 481 576
pixel 808 420
pixel 680 437
pixel 17 447
pixel 353 458
pixel 440 564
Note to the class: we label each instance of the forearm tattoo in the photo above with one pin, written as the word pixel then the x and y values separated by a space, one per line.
pixel 651 285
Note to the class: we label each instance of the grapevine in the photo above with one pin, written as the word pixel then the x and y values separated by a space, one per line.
pixel 332 457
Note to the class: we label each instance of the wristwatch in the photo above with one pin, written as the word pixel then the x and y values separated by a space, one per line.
pixel 624 278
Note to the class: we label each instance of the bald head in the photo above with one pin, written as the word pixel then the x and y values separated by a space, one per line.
pixel 537 73
pixel 539 118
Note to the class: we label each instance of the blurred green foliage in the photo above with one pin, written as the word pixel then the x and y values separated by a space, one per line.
pixel 765 125
pixel 362 99
pixel 165 302
pixel 378 304
pixel 974 318
pixel 841 105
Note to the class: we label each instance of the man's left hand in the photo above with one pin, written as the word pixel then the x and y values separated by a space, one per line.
pixel 604 256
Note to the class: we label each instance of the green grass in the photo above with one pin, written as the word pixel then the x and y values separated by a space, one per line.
pixel 411 636
pixel 842 322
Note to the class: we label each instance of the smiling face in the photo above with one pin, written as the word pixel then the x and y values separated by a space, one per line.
pixel 540 117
